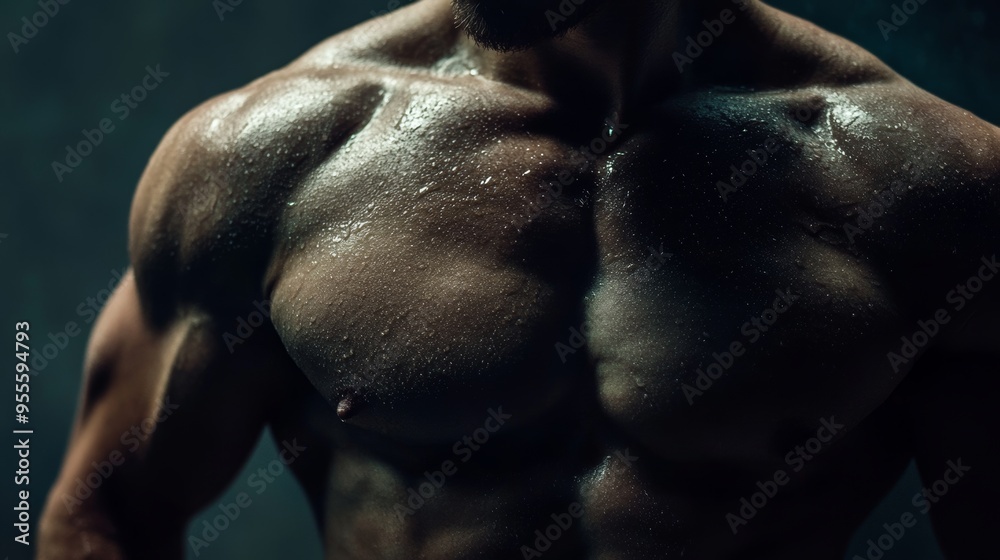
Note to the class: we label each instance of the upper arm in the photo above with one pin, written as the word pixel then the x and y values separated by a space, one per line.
pixel 169 411
pixel 952 392
pixel 167 416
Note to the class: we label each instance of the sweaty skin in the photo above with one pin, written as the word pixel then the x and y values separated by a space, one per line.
pixel 565 300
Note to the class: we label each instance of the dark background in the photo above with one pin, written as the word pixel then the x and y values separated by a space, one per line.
pixel 64 239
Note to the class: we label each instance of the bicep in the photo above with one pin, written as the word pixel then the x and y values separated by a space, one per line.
pixel 167 417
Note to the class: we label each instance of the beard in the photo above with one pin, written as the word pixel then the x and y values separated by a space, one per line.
pixel 511 25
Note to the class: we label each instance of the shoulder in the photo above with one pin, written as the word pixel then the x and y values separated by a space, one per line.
pixel 798 53
pixel 878 131
pixel 205 209
pixel 904 179
pixel 914 183
pixel 865 100
pixel 943 160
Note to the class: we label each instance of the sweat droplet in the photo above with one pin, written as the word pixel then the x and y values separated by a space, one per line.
pixel 348 406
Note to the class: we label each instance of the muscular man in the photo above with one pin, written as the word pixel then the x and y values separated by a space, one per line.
pixel 560 284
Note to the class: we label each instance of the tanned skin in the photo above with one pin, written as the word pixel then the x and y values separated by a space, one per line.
pixel 381 197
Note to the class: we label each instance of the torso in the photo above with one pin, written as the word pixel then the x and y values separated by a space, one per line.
pixel 423 288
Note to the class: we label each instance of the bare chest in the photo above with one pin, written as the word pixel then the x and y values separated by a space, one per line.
pixel 652 275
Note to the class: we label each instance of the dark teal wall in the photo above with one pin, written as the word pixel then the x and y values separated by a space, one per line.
pixel 65 239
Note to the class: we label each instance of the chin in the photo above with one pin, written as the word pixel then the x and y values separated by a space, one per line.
pixel 512 25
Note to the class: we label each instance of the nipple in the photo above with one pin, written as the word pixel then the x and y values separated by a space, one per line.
pixel 349 405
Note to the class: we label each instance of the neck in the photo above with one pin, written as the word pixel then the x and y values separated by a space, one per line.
pixel 628 52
